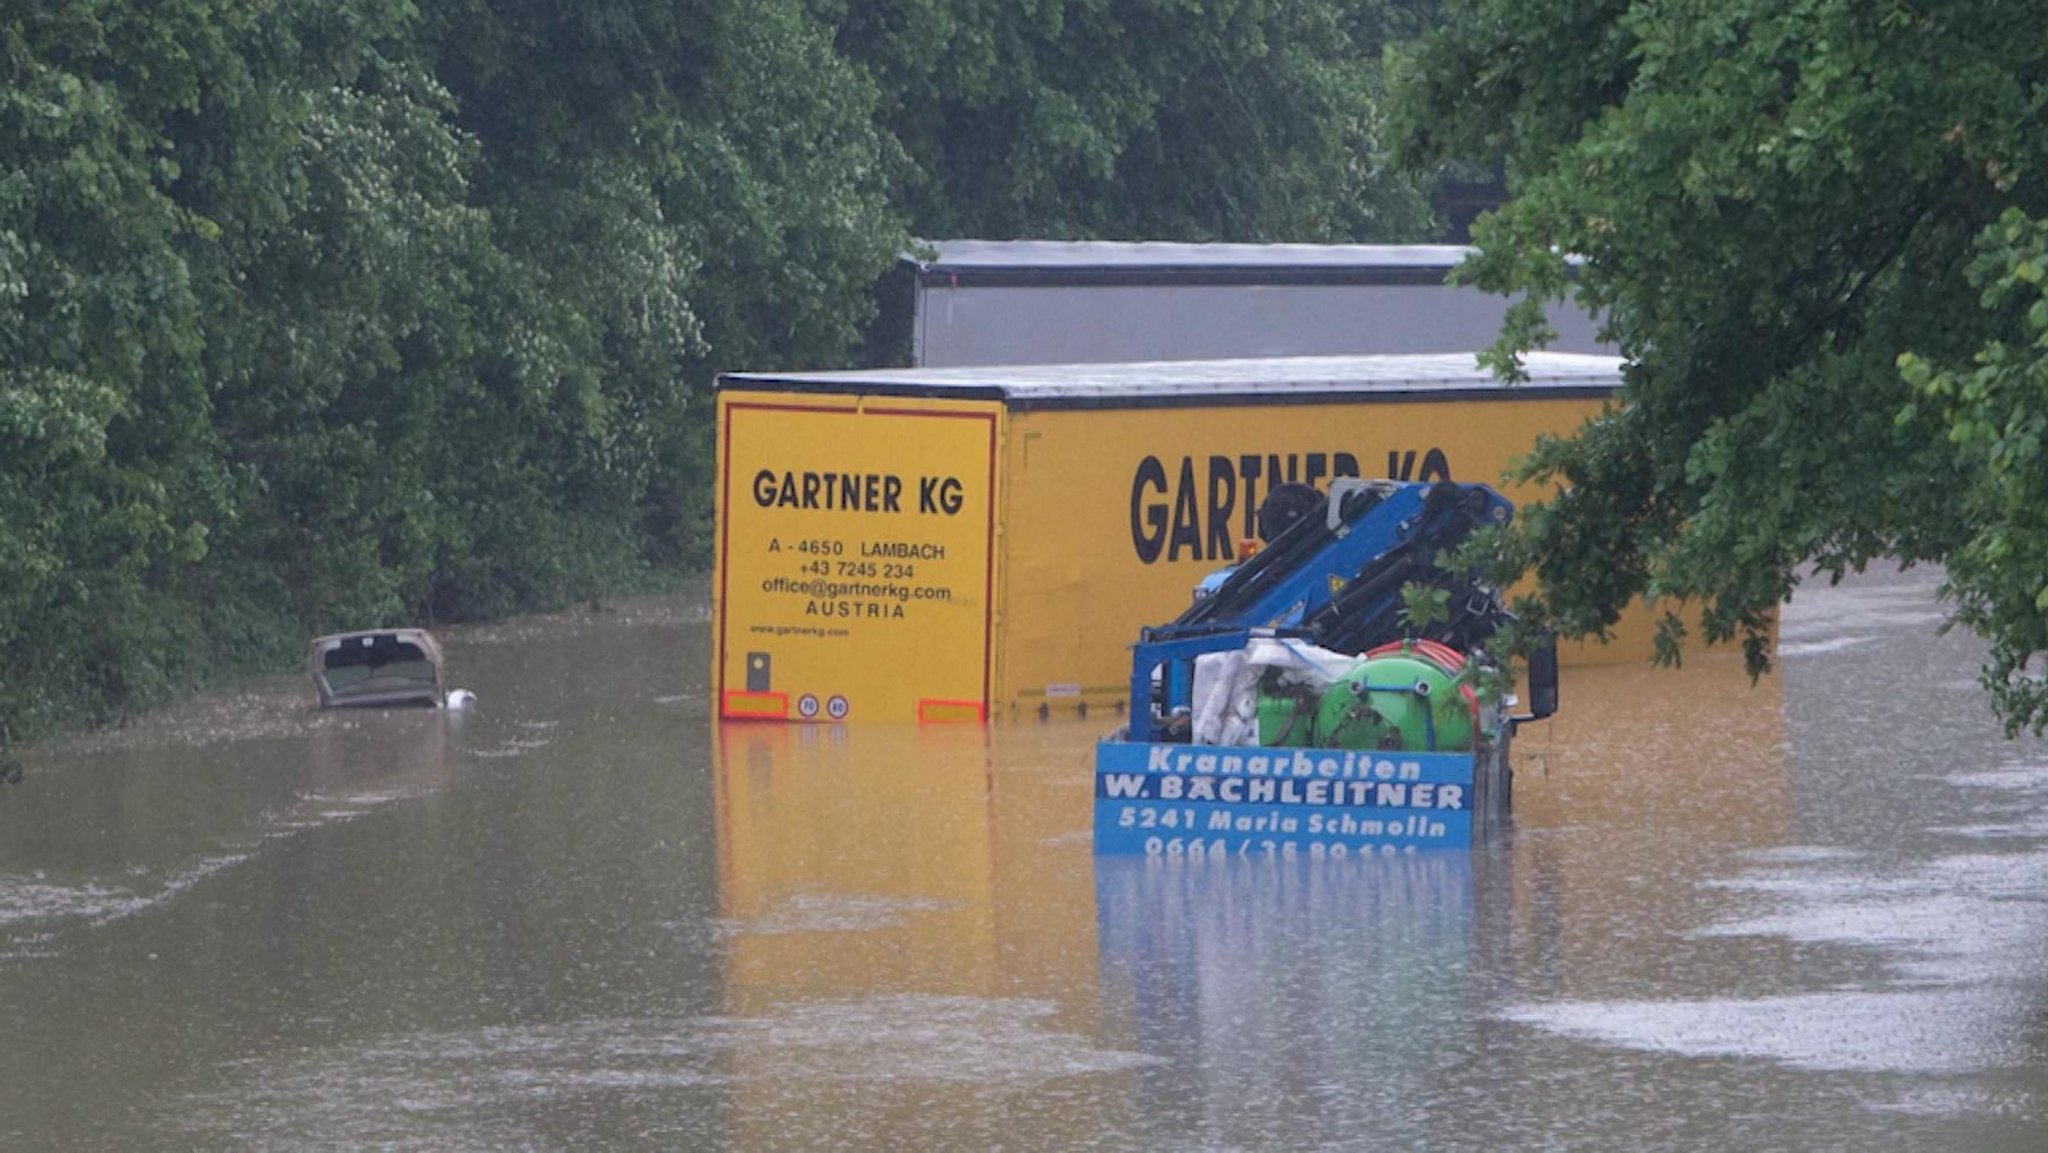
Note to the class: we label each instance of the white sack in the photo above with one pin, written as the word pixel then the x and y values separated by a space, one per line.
pixel 1226 689
pixel 1226 699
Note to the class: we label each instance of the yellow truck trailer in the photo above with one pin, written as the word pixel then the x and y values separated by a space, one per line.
pixel 938 545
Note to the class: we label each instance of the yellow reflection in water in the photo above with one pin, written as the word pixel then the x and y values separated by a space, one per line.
pixel 844 854
pixel 860 866
pixel 919 898
pixel 892 858
pixel 955 859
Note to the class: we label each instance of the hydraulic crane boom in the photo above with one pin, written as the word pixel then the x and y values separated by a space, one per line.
pixel 1335 579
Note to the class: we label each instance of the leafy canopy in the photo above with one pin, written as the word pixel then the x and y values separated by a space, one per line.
pixel 319 315
pixel 1815 229
pixel 1232 120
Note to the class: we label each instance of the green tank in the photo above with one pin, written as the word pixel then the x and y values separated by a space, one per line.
pixel 1287 719
pixel 1397 700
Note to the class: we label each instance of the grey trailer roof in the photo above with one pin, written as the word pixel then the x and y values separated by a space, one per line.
pixel 1031 263
pixel 1274 380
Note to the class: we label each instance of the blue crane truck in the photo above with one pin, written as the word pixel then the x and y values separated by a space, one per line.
pixel 1297 707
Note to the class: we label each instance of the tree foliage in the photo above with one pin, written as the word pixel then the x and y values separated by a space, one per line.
pixel 1813 228
pixel 108 478
pixel 321 315
pixel 1239 120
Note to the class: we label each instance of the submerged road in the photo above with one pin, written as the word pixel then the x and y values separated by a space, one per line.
pixel 1807 914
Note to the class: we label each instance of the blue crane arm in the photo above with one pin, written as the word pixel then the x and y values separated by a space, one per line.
pixel 1335 578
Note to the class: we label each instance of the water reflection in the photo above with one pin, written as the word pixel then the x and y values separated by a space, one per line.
pixel 1805 914
pixel 847 860
pixel 1223 1003
pixel 1332 989
pixel 909 933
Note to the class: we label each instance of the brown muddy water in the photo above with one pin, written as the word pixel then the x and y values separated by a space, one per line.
pixel 1805 915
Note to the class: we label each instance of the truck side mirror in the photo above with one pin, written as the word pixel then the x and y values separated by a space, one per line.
pixel 1543 678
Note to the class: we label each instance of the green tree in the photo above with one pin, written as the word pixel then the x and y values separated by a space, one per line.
pixel 1772 204
pixel 687 188
pixel 337 268
pixel 319 315
pixel 268 364
pixel 1139 119
pixel 107 477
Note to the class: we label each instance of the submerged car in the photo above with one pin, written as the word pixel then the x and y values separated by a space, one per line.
pixel 383 668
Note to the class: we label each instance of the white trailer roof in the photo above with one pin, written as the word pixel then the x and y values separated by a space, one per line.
pixel 1294 379
pixel 1106 255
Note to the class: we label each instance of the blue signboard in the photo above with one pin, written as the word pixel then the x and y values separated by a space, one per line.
pixel 1205 800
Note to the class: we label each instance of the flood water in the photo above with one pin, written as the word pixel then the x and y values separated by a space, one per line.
pixel 1804 915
